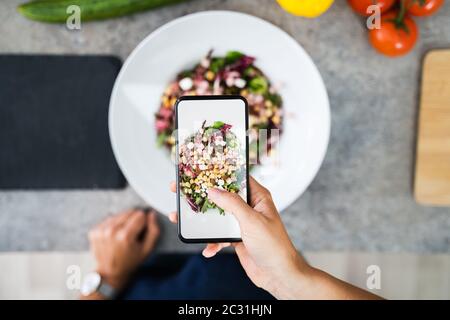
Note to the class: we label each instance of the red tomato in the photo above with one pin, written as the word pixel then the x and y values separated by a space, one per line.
pixel 360 6
pixel 393 40
pixel 427 9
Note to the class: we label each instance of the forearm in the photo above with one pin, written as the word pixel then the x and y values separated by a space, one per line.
pixel 324 286
pixel 314 284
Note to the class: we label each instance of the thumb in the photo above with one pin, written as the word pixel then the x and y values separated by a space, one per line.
pixel 232 203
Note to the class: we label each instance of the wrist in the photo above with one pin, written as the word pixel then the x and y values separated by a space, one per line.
pixel 117 282
pixel 98 286
pixel 293 281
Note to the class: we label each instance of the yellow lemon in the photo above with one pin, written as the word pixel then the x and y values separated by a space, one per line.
pixel 306 8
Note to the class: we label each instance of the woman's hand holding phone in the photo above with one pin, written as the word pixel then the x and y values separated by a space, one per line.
pixel 266 253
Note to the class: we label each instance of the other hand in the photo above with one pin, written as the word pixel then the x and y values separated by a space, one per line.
pixel 121 243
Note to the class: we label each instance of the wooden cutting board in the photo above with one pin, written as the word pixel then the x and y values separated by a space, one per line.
pixel 432 178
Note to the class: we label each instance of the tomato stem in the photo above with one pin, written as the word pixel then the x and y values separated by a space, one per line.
pixel 401 13
pixel 399 19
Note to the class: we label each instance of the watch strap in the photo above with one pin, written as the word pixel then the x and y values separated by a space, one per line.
pixel 106 290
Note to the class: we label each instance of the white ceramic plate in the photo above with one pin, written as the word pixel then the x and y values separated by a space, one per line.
pixel 179 45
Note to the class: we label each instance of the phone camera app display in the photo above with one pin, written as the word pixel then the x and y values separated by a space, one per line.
pixel 211 153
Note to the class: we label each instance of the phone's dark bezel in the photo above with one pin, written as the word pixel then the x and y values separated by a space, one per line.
pixel 216 97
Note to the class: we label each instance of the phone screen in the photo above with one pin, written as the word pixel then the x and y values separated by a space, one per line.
pixel 211 153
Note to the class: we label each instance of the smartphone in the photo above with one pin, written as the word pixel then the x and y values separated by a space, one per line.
pixel 211 152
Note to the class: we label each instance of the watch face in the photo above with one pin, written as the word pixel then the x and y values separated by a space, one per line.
pixel 90 284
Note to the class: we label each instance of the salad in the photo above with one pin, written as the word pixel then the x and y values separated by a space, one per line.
pixel 212 157
pixel 234 73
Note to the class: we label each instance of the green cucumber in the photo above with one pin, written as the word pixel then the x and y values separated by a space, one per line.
pixel 55 10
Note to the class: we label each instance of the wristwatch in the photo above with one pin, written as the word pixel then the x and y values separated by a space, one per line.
pixel 93 282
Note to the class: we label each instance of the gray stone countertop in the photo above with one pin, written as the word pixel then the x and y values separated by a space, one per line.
pixel 361 199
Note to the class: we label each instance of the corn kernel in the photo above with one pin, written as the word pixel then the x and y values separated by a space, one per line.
pixel 165 100
pixel 268 113
pixel 276 119
pixel 209 75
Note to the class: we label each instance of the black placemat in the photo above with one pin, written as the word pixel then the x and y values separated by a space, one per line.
pixel 54 122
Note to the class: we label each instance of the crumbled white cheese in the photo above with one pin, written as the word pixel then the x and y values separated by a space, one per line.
pixel 240 83
pixel 186 83
pixel 205 62
pixel 229 81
